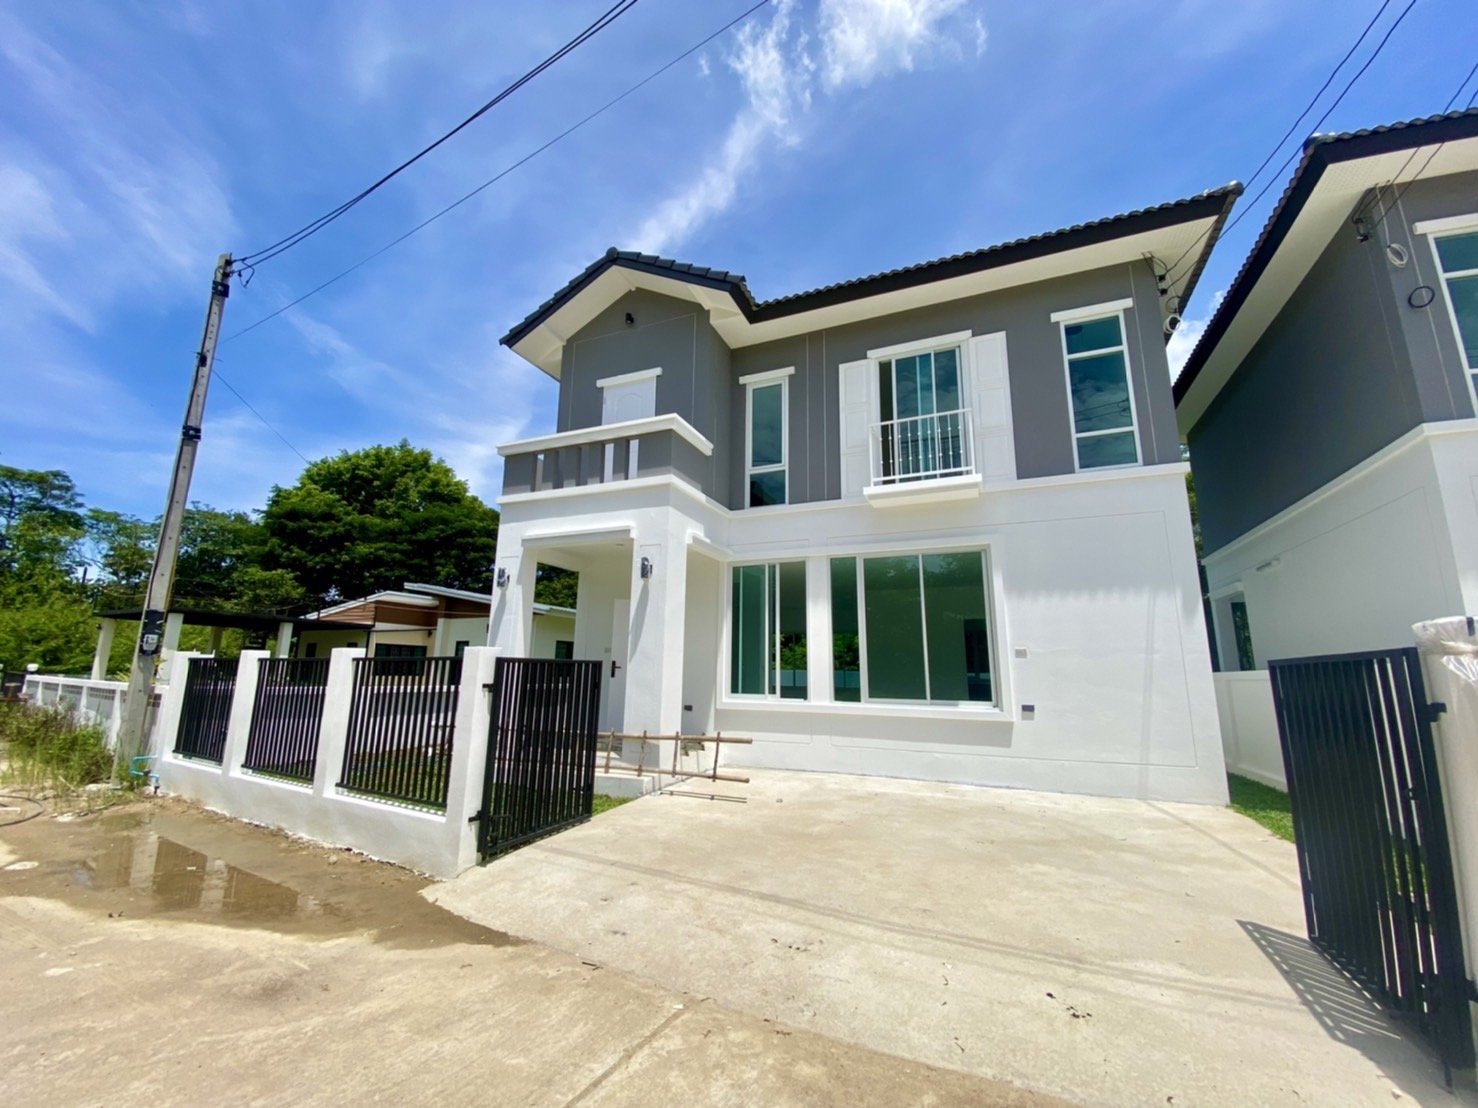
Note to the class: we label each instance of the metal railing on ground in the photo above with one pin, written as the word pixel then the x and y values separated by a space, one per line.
pixel 210 685
pixel 285 720
pixel 400 729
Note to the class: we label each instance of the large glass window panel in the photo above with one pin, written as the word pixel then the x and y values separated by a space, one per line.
pixel 1464 294
pixel 1100 392
pixel 767 488
pixel 955 621
pixel 947 380
pixel 895 632
pixel 1097 451
pixel 790 646
pixel 1094 334
pixel 748 633
pixel 846 645
pixel 767 420
pixel 1458 252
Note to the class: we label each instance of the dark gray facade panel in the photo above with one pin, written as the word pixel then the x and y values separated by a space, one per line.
pixel 1327 385
pixel 1441 378
pixel 1159 436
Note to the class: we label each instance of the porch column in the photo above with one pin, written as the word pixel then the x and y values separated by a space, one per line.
pixel 654 674
pixel 511 627
pixel 215 639
pixel 174 623
pixel 106 627
pixel 284 639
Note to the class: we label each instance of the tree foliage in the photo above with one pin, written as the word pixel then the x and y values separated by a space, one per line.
pixel 376 518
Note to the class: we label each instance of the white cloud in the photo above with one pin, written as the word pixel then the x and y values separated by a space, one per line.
pixel 1184 340
pixel 859 41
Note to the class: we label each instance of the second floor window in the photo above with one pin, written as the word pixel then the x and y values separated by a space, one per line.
pixel 922 433
pixel 1458 257
pixel 1102 398
pixel 766 427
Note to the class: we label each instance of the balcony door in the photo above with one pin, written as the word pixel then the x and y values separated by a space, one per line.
pixel 922 429
pixel 629 396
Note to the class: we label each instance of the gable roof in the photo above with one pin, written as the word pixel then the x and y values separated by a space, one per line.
pixel 1334 172
pixel 722 289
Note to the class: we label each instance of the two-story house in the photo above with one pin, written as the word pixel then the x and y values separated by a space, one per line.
pixel 1329 406
pixel 930 523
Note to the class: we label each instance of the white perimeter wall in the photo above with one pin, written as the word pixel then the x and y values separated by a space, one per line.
pixel 1249 727
pixel 1098 625
pixel 1351 567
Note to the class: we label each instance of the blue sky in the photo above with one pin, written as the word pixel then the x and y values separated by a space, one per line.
pixel 827 139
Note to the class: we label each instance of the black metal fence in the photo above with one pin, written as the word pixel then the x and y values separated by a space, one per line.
pixel 1371 835
pixel 400 728
pixel 540 774
pixel 210 684
pixel 286 717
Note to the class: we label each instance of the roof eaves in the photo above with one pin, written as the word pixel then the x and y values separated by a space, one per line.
pixel 1319 152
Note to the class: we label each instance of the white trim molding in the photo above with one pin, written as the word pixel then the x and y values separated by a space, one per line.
pixel 919 346
pixel 628 378
pixel 1091 311
pixel 1449 223
pixel 766 376
pixel 607 432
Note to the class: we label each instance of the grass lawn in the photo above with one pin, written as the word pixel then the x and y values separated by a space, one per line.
pixel 1259 802
pixel 606 803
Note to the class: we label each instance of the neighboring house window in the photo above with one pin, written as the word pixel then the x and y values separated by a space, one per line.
pixel 767 422
pixel 1457 257
pixel 1242 630
pixel 564 649
pixel 408 666
pixel 919 628
pixel 1104 432
pixel 461 647
pixel 311 650
pixel 767 639
pixel 922 430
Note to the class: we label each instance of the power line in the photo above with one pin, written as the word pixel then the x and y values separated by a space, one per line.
pixel 504 172
pixel 611 14
pixel 1401 191
pixel 234 392
pixel 1277 173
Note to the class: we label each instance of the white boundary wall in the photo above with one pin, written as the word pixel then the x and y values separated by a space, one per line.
pixel 90 703
pixel 1096 601
pixel 1249 727
pixel 440 844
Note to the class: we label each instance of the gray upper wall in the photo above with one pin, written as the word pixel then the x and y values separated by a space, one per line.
pixel 1345 369
pixel 700 375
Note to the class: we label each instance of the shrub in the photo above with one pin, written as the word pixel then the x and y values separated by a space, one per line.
pixel 46 746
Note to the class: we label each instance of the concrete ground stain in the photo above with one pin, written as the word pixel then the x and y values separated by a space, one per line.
pixel 160 859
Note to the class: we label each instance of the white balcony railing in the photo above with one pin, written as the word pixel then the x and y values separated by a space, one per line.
pixel 922 448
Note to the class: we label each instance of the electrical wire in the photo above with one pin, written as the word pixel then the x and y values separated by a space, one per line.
pixel 1277 173
pixel 1386 209
pixel 221 377
pixel 609 104
pixel 267 253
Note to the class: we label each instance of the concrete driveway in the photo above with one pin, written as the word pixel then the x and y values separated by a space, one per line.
pixel 1106 951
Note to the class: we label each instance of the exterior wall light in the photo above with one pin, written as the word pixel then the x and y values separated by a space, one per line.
pixel 646 568
pixel 502 578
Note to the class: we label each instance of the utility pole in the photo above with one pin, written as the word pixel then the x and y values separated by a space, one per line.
pixel 131 737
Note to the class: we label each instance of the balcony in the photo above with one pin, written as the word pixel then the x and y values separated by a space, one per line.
pixel 923 458
pixel 665 445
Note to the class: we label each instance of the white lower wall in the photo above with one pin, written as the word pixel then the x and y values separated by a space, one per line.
pixel 1352 566
pixel 438 843
pixel 1249 727
pixel 1098 626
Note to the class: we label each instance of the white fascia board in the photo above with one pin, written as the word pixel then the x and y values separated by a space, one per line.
pixel 609 432
pixel 443 590
pixel 766 375
pixel 390 597
pixel 628 378
pixel 1092 311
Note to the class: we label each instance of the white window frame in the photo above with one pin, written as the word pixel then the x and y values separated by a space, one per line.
pixel 991 645
pixel 1091 314
pixel 772 624
pixel 751 382
pixel 1435 229
pixel 958 341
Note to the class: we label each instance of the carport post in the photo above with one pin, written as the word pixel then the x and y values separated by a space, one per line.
pixel 106 627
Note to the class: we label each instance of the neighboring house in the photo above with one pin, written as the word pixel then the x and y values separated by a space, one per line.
pixel 930 523
pixel 424 620
pixel 1329 406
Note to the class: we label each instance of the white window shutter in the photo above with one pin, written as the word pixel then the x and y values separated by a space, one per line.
pixel 990 401
pixel 858 381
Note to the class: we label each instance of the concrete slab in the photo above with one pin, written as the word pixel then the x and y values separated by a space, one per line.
pixel 1107 951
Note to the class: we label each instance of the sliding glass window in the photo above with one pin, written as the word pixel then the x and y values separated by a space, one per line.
pixel 922 625
pixel 767 635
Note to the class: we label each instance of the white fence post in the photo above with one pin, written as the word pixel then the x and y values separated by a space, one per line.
pixel 243 700
pixel 333 730
pixel 469 752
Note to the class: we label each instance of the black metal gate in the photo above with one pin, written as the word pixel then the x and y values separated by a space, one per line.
pixel 210 684
pixel 401 720
pixel 1371 834
pixel 540 774
pixel 286 717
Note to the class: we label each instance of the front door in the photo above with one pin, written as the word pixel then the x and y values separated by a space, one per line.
pixel 613 657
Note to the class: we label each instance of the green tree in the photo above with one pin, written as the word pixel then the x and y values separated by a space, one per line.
pixel 376 518
pixel 41 522
pixel 556 586
pixel 122 553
